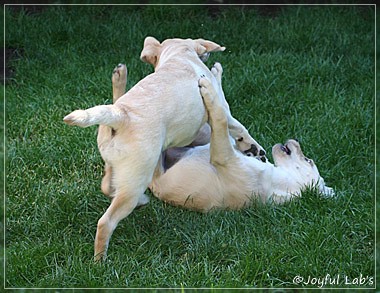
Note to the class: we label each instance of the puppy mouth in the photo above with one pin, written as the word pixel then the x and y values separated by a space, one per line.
pixel 286 149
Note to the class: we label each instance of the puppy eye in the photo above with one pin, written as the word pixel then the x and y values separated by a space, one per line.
pixel 240 139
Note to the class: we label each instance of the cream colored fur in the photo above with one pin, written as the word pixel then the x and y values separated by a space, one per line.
pixel 163 110
pixel 218 175
pixel 105 133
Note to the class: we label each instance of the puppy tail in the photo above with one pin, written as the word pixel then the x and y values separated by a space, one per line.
pixel 108 115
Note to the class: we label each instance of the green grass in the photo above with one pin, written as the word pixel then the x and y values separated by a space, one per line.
pixel 306 73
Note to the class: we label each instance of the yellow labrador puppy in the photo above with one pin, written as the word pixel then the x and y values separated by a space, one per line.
pixel 163 110
pixel 218 175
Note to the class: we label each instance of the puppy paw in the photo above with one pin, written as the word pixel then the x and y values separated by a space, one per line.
pixel 259 155
pixel 119 75
pixel 217 71
pixel 78 118
pixel 247 145
pixel 206 91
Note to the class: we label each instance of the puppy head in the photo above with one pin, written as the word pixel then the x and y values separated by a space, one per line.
pixel 153 48
pixel 291 158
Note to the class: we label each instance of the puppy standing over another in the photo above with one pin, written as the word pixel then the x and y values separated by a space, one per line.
pixel 119 81
pixel 163 110
pixel 219 176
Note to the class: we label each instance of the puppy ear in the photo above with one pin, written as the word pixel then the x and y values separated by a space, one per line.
pixel 151 51
pixel 204 46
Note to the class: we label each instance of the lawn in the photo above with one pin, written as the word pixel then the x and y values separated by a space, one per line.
pixel 305 72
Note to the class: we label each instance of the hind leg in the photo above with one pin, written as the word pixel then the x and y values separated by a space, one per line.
pixel 119 81
pixel 121 206
pixel 105 133
pixel 106 186
pixel 130 178
pixel 124 202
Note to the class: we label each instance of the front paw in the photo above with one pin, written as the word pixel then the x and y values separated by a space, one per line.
pixel 248 146
pixel 206 90
pixel 217 71
pixel 260 155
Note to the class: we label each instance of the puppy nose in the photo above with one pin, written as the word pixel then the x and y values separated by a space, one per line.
pixel 262 153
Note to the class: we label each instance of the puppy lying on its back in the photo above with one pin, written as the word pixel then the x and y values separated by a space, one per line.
pixel 165 109
pixel 218 175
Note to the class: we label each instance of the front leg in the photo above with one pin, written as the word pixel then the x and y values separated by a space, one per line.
pixel 244 140
pixel 221 149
